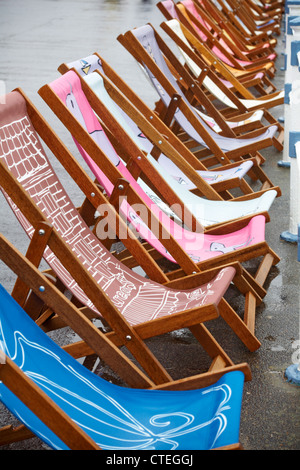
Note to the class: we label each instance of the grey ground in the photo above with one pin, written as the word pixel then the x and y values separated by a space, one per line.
pixel 35 37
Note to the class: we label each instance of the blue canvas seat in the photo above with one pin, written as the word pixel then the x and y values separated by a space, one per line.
pixel 114 417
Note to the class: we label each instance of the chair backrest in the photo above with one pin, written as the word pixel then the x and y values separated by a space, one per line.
pixel 114 417
pixel 174 24
pixel 167 7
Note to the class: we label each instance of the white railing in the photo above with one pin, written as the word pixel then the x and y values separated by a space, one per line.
pixel 292 38
pixel 292 128
pixel 291 151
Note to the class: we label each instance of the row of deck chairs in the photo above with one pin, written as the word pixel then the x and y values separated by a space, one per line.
pixel 183 188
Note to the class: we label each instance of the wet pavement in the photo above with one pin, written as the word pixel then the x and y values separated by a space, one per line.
pixel 36 36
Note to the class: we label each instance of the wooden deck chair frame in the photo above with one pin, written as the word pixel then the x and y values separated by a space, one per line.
pixel 269 257
pixel 132 337
pixel 124 142
pixel 86 141
pixel 129 41
pixel 213 41
pixel 37 401
pixel 30 279
pixel 234 77
pixel 260 82
pixel 235 40
pixel 248 28
pixel 249 39
pixel 208 72
pixel 167 142
pixel 246 14
pixel 268 69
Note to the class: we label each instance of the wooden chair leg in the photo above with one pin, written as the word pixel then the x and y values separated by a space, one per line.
pixel 238 325
pixel 10 434
pixel 208 342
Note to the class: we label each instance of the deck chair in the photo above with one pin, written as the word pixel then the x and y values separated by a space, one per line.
pixel 133 307
pixel 246 100
pixel 230 36
pixel 248 16
pixel 239 68
pixel 167 7
pixel 212 85
pixel 241 18
pixel 221 180
pixel 142 44
pixel 207 32
pixel 68 407
pixel 222 40
pixel 86 138
pixel 250 38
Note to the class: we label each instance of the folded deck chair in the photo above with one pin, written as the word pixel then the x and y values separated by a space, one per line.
pixel 231 78
pixel 219 47
pixel 142 43
pixel 86 136
pixel 69 407
pixel 220 180
pixel 135 308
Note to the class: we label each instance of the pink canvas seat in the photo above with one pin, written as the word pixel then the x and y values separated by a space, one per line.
pixel 86 66
pixel 199 246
